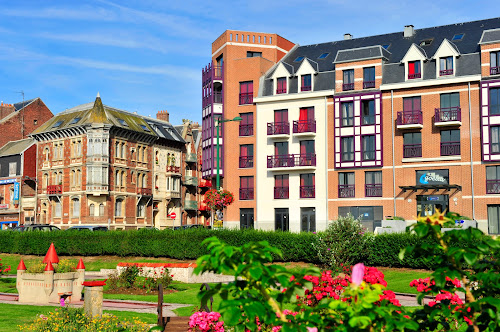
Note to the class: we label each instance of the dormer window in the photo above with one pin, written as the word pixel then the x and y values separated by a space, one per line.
pixel 306 83
pixel 280 85
pixel 446 66
pixel 414 70
pixel 495 63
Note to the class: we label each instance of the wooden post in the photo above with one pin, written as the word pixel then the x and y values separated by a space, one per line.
pixel 162 321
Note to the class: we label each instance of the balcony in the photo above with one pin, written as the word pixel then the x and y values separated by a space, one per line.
pixel 246 129
pixel 246 162
pixel 412 150
pixel 304 127
pixel 205 183
pixel 246 98
pixel 246 194
pixel 446 72
pixel 414 76
pixel 203 207
pixel 144 191
pixel 191 157
pixel 278 129
pixel 447 116
pixel 373 190
pixel 347 86
pixel 172 194
pixel 217 97
pixel 409 120
pixel 346 190
pixel 291 160
pixel 173 169
pixel 190 205
pixel 494 70
pixel 493 186
pixel 450 148
pixel 280 90
pixel 307 192
pixel 190 181
pixel 54 189
pixel 368 84
pixel 305 88
pixel 281 192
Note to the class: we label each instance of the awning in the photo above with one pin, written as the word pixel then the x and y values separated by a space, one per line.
pixel 427 187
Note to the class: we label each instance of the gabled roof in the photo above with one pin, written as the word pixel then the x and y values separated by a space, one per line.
pixel 22 104
pixel 16 147
pixel 362 53
pixel 490 36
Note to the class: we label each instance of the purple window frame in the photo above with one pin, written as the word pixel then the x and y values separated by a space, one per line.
pixel 342 149
pixel 493 185
pixel 491 141
pixel 281 85
pixel 246 93
pixel 374 147
pixel 370 116
pixel 303 86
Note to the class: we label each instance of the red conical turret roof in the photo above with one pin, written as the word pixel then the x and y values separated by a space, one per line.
pixel 80 265
pixel 49 267
pixel 21 266
pixel 51 256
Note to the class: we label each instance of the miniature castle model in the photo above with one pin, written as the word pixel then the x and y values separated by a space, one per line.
pixel 50 287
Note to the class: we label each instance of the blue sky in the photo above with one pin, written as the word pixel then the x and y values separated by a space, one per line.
pixel 145 55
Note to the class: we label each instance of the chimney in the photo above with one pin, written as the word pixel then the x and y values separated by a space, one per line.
pixel 195 125
pixel 408 31
pixel 6 109
pixel 347 36
pixel 162 115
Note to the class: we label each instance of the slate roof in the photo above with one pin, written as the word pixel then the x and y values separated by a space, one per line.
pixel 21 104
pixel 362 53
pixel 490 36
pixel 16 147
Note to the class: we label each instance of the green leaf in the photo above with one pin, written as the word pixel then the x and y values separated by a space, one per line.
pixel 255 272
pixel 470 258
pixel 232 315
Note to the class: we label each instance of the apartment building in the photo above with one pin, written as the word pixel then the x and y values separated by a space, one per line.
pixel 96 165
pixel 399 124
pixel 230 82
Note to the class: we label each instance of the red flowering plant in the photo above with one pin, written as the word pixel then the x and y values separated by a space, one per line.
pixel 218 199
pixel 3 270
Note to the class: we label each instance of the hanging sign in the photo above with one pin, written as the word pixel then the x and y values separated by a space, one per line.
pixel 16 192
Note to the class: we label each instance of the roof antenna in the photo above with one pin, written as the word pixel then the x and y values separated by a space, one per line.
pixel 22 115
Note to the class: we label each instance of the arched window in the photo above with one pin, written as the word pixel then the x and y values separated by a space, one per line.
pixel 118 207
pixel 54 178
pixel 101 210
pixel 46 153
pixel 117 179
pixel 117 150
pixel 92 210
pixel 141 209
pixel 144 181
pixel 123 180
pixel 78 177
pixel 76 207
pixel 73 178
pixel 61 151
pixel 132 176
pixel 45 180
pixel 144 157
pixel 124 152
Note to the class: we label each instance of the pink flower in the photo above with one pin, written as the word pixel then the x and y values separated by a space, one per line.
pixel 61 301
pixel 312 329
pixel 358 272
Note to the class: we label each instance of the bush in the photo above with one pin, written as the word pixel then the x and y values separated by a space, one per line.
pixel 343 243
pixel 64 265
pixel 135 277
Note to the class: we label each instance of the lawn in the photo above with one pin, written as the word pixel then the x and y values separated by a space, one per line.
pixel 11 316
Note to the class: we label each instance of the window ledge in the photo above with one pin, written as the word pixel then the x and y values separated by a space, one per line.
pixel 420 159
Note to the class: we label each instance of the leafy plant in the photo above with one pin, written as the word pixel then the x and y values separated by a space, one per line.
pixel 2 269
pixel 129 276
pixel 218 199
pixel 64 265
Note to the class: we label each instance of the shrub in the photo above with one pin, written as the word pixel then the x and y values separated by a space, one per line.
pixel 343 243
pixel 129 276
pixel 2 269
pixel 64 265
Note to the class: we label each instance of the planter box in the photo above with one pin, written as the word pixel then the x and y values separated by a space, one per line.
pixel 391 226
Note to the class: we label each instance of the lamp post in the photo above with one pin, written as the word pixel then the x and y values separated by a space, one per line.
pixel 219 121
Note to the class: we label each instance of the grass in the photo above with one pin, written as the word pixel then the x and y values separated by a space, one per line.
pixel 8 285
pixel 14 315
pixel 398 280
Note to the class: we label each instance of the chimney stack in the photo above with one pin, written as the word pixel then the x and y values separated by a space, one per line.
pixel 408 31
pixel 6 109
pixel 163 115
pixel 347 36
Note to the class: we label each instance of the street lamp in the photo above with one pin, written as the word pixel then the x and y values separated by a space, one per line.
pixel 219 121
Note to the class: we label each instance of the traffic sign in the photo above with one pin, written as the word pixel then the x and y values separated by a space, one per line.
pixel 173 215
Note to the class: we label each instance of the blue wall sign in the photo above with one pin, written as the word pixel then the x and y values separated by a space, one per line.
pixel 16 192
pixel 7 181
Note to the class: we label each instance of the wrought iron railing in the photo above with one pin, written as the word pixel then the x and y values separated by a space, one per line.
pixel 494 70
pixel 446 72
pixel 493 186
pixel 246 162
pixel 246 98
pixel 246 129
pixel 412 150
pixel 346 190
pixel 246 194
pixel 446 114
pixel 278 128
pixel 304 126
pixel 291 160
pixel 368 84
pixel 373 190
pixel 409 117
pixel 450 148
pixel 307 192
pixel 281 192
pixel 347 86
pixel 416 75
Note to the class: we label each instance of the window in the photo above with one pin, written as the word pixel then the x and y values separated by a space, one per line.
pixel 348 80
pixel 122 122
pixel 246 218
pixel 450 101
pixel 347 114
pixel 75 120
pixel 458 37
pixel 92 210
pixel 412 145
pixel 411 111
pixel 386 46
pixel 281 148
pixel 281 125
pixel 347 148
pixel 368 147
pixel 76 207
pixel 373 184
pixel 306 121
pixel 426 42
pixel 246 124
pixel 414 70
pixel 246 156
pixel 450 142
pixel 323 56
pixel 246 93
pixel 495 101
pixel 368 77
pixel 306 83
pixel 446 66
pixel 346 184
pixel 281 190
pixel 299 58
pixel 141 209
pixel 494 219
pixel 307 186
pixel 281 85
pixel 57 209
pixel 246 187
pixel 495 139
pixel 252 54
pixel 368 112
pixel 281 222
pixel 307 219
pixel 495 63
pixel 118 207
pixel 57 124
pixel 12 169
pixel 493 179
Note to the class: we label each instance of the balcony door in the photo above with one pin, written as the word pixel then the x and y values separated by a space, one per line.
pixel 308 219
pixel 246 218
pixel 281 222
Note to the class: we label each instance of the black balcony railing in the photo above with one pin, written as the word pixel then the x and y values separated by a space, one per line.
pixel 246 162
pixel 307 192
pixel 412 150
pixel 409 117
pixel 347 86
pixel 494 70
pixel 446 72
pixel 368 84
pixel 278 128
pixel 304 126
pixel 305 88
pixel 373 190
pixel 346 190
pixel 246 129
pixel 446 114
pixel 246 98
pixel 281 192
pixel 493 186
pixel 413 76
pixel 450 148
pixel 246 194
pixel 291 160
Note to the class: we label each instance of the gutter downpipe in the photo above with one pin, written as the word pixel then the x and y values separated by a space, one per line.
pixel 326 161
pixel 393 158
pixel 471 162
